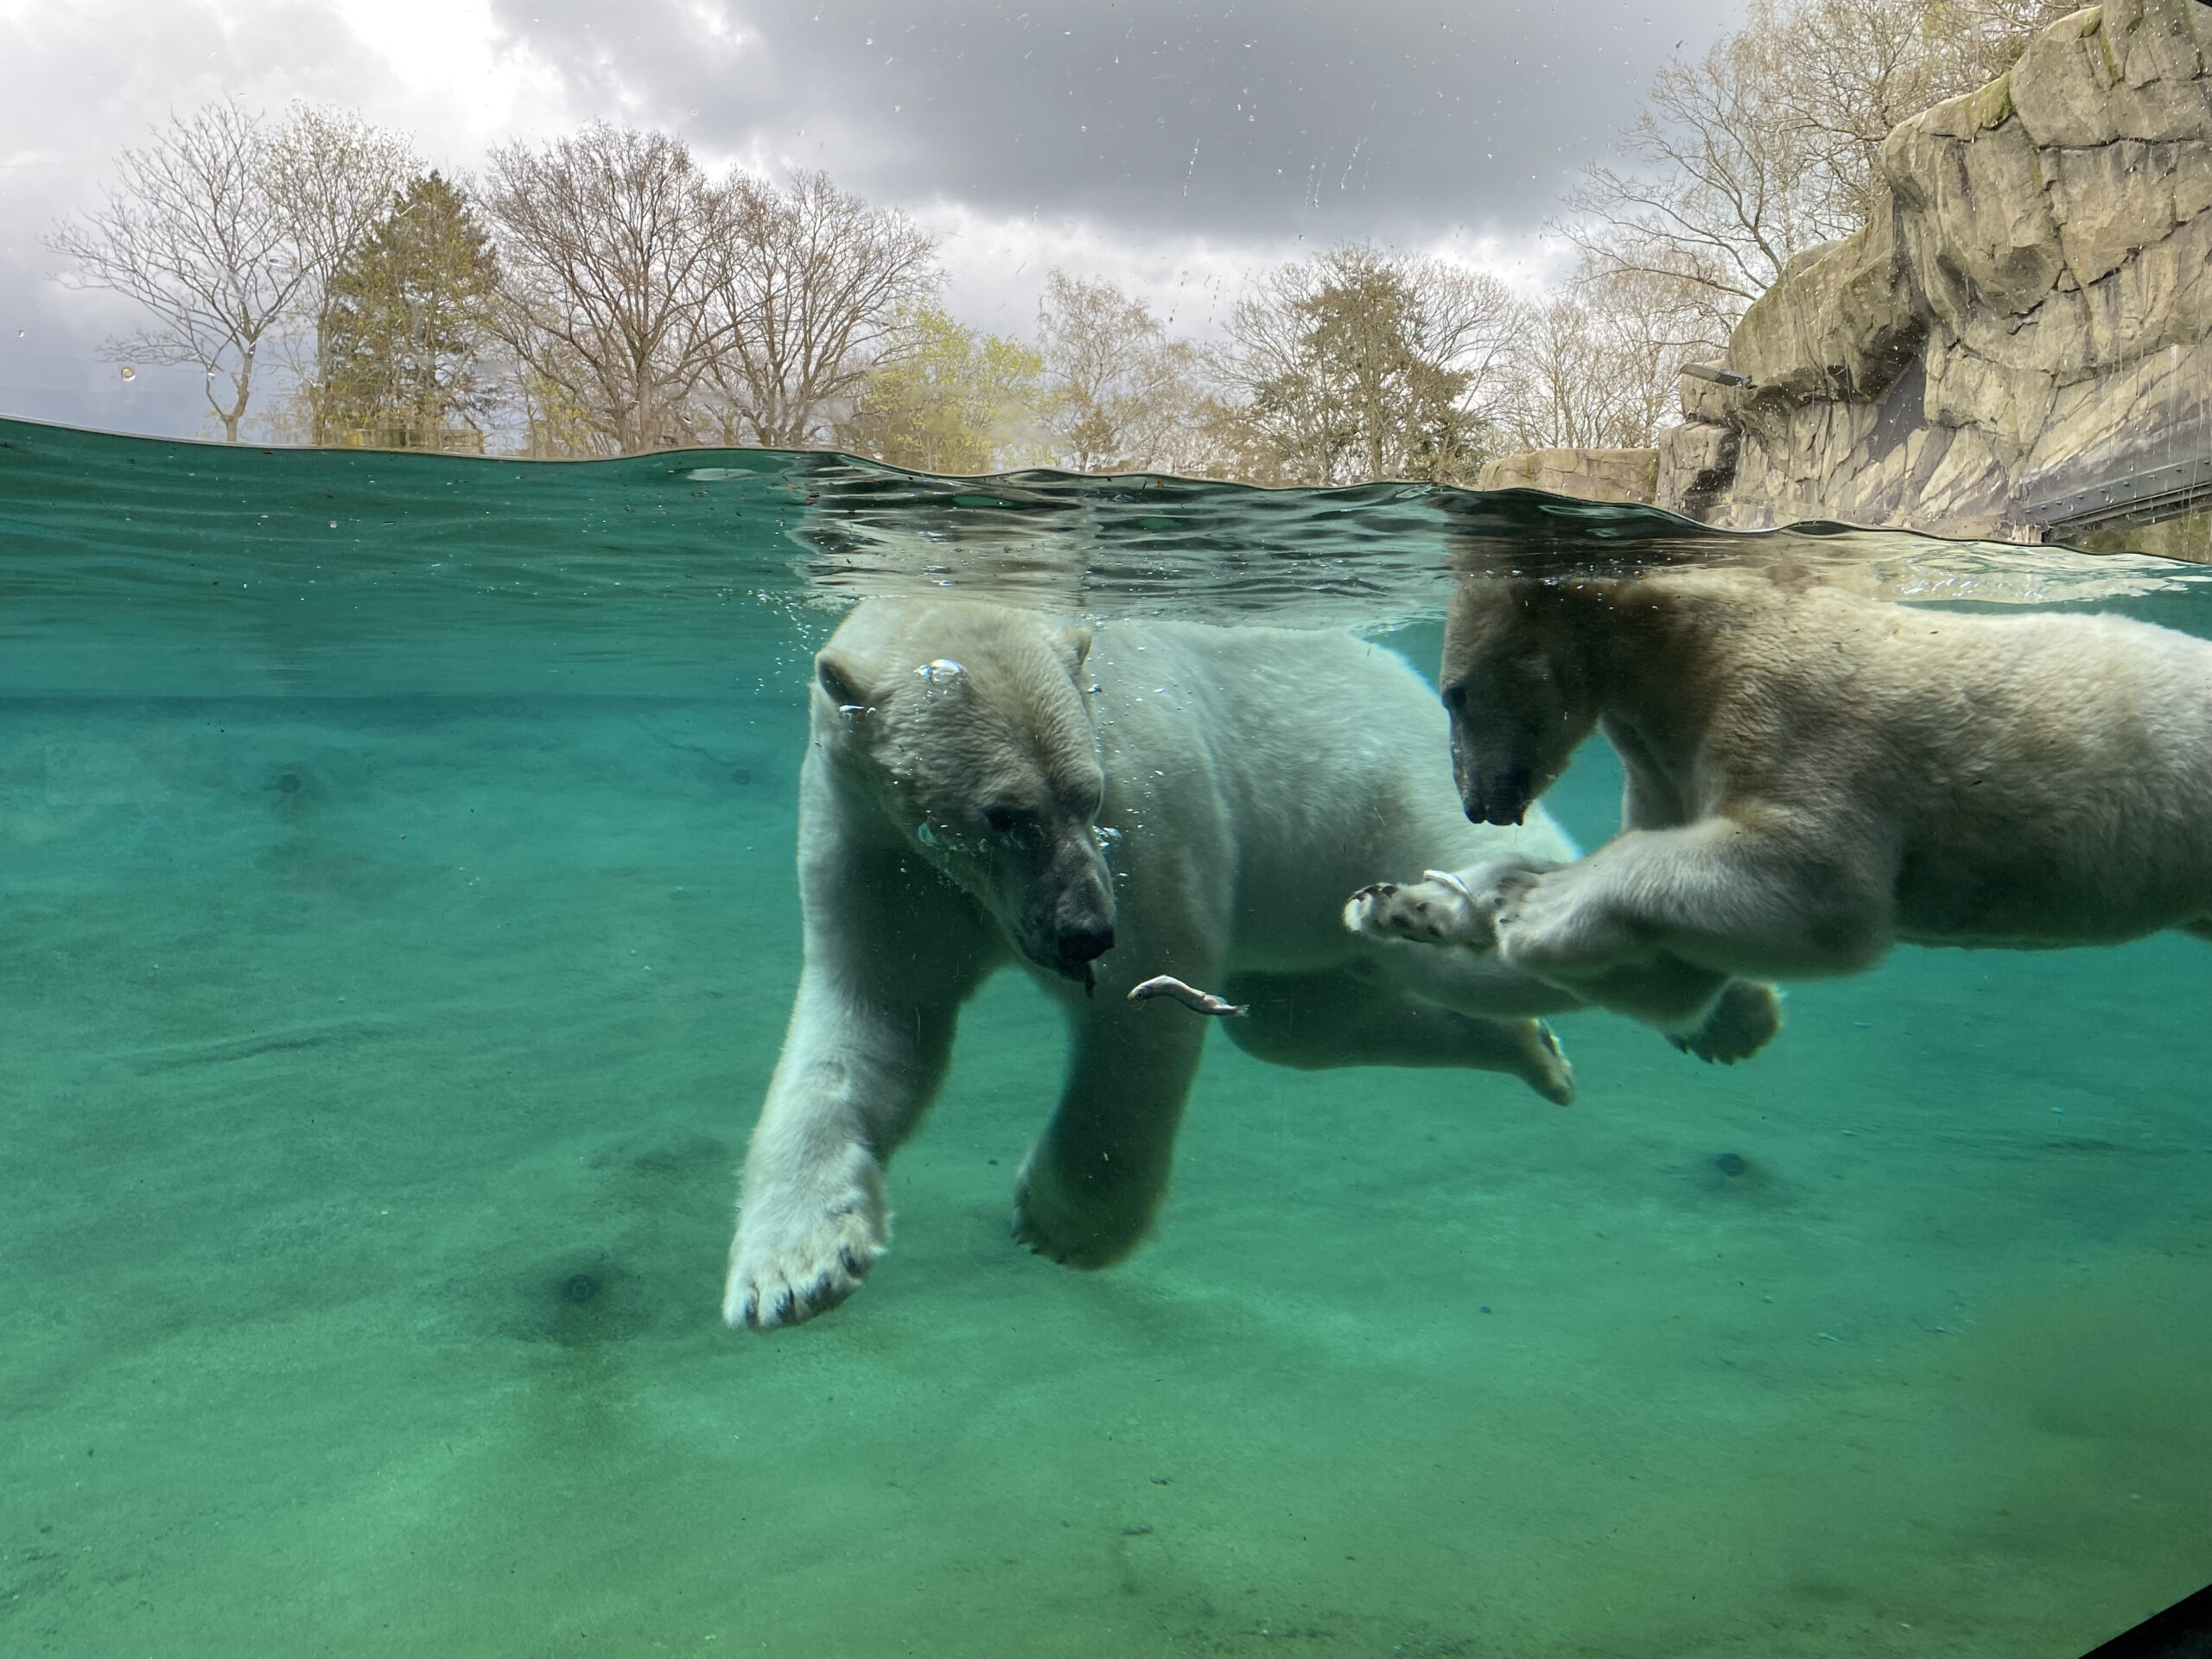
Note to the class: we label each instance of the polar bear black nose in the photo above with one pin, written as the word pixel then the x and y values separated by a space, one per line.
pixel 1504 799
pixel 1078 945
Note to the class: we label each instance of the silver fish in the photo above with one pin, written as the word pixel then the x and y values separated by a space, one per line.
pixel 1190 996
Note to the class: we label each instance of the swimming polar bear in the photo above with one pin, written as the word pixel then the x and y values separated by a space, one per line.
pixel 1813 776
pixel 983 787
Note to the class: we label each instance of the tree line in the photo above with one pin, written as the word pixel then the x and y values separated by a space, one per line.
pixel 603 294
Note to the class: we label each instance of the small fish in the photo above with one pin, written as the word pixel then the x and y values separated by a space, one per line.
pixel 1190 996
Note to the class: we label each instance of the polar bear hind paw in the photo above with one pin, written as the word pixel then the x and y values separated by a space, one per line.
pixel 1744 1018
pixel 1547 1069
pixel 788 1281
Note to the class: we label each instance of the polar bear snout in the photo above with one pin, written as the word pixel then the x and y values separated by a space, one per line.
pixel 1500 796
pixel 1071 922
pixel 1078 947
pixel 1492 789
pixel 1083 926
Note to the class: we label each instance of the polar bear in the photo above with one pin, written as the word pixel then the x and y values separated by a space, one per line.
pixel 983 787
pixel 1812 776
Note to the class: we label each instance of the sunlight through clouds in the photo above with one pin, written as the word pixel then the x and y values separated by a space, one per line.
pixel 451 59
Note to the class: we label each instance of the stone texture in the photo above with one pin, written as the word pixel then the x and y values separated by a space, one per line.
pixel 2062 86
pixel 2158 48
pixel 1840 324
pixel 2032 314
pixel 2110 200
pixel 1700 458
pixel 1592 474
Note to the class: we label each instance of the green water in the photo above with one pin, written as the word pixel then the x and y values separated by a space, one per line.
pixel 396 929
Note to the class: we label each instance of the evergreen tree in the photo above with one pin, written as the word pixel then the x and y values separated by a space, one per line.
pixel 408 324
pixel 1355 365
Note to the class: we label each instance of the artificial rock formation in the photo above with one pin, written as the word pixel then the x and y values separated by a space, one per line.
pixel 1592 474
pixel 2030 315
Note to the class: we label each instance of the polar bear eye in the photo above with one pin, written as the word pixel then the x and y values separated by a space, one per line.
pixel 1008 820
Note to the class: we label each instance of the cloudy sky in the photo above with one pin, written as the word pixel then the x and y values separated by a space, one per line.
pixel 1174 147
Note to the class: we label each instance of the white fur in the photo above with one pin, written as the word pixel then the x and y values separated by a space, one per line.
pixel 1250 777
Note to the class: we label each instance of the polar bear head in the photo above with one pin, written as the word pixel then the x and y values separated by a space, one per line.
pixel 969 726
pixel 1519 680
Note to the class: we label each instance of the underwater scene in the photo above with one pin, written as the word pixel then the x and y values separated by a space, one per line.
pixel 401 923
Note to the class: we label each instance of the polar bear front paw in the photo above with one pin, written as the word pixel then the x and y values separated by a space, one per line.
pixel 1439 909
pixel 788 1264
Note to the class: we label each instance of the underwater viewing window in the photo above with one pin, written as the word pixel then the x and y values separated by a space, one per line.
pixel 1106 832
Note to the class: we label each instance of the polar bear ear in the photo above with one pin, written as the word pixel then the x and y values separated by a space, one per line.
pixel 1075 646
pixel 842 681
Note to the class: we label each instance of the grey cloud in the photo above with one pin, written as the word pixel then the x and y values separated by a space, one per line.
pixel 1247 125
pixel 1395 120
pixel 78 84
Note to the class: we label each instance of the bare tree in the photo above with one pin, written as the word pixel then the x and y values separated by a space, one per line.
pixel 1595 367
pixel 1723 186
pixel 1358 365
pixel 1766 146
pixel 553 426
pixel 1277 421
pixel 1120 395
pixel 810 280
pixel 1650 326
pixel 1559 361
pixel 193 230
pixel 1855 68
pixel 609 241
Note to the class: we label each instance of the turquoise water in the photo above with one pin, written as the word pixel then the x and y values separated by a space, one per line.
pixel 398 926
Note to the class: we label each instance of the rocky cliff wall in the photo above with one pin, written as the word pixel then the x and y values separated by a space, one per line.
pixel 2028 317
pixel 1592 474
